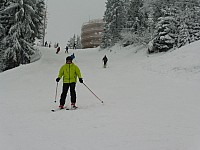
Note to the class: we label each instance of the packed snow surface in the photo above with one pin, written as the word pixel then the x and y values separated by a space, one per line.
pixel 151 102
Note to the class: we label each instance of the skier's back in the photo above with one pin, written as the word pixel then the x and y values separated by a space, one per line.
pixel 105 60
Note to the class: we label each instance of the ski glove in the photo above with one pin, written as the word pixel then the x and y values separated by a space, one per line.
pixel 80 80
pixel 57 79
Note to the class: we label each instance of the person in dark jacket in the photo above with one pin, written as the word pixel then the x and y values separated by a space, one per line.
pixel 66 49
pixel 74 46
pixel 105 60
pixel 58 50
pixel 46 44
pixel 69 72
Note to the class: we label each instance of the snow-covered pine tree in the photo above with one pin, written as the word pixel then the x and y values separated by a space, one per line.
pixel 194 23
pixel 25 24
pixel 166 25
pixel 183 34
pixel 135 15
pixel 194 31
pixel 137 23
pixel 2 33
pixel 106 37
pixel 115 19
pixel 71 41
pixel 39 21
pixel 4 20
pixel 189 21
pixel 78 42
pixel 4 25
pixel 165 36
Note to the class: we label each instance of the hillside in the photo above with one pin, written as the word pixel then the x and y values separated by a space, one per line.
pixel 151 102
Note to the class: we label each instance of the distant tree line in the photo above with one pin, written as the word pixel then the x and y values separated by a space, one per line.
pixel 21 22
pixel 165 24
pixel 74 40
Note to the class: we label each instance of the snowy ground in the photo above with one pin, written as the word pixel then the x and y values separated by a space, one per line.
pixel 151 102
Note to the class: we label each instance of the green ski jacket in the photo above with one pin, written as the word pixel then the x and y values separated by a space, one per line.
pixel 69 72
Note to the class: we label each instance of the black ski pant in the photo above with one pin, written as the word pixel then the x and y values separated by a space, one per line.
pixel 66 86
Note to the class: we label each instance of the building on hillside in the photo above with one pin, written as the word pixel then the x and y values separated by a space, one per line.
pixel 91 33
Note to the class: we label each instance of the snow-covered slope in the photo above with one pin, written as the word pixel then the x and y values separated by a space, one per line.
pixel 151 102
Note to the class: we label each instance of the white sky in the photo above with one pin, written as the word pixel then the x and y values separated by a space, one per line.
pixel 65 17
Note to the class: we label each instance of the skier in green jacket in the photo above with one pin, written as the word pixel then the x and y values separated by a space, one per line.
pixel 69 72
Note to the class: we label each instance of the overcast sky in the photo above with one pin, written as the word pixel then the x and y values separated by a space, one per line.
pixel 65 17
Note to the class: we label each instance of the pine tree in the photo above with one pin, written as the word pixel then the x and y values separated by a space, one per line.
pixel 4 19
pixel 166 34
pixel 137 26
pixel 23 27
pixel 78 42
pixel 4 25
pixel 39 20
pixel 194 21
pixel 72 41
pixel 188 21
pixel 115 19
pixel 169 23
pixel 106 37
pixel 135 16
pixel 173 18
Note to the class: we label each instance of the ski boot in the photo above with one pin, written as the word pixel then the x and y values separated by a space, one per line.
pixel 73 106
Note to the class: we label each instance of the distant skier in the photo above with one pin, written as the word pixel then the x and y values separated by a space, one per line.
pixel 58 50
pixel 74 46
pixel 69 72
pixel 105 60
pixel 46 44
pixel 66 49
pixel 50 45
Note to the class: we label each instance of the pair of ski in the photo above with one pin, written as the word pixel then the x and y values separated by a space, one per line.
pixel 65 108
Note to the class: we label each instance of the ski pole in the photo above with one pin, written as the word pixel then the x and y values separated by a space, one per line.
pixel 56 92
pixel 92 92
